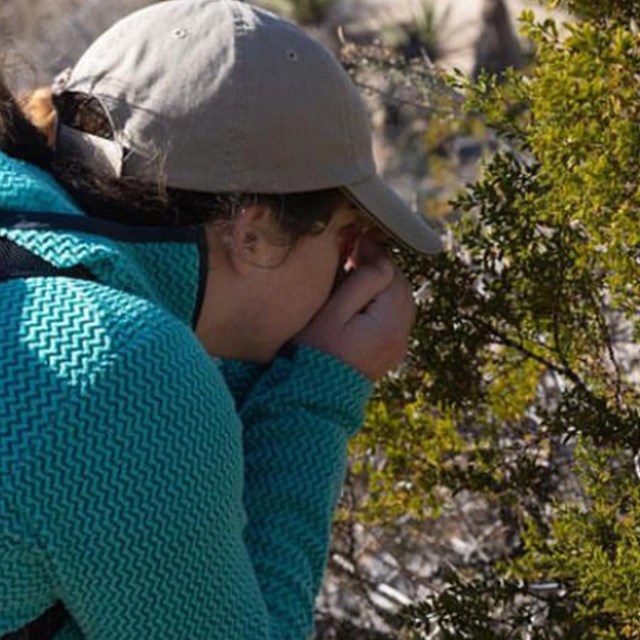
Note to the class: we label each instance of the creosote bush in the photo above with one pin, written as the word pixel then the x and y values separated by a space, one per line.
pixel 522 388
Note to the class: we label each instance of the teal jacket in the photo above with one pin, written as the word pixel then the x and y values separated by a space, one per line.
pixel 156 491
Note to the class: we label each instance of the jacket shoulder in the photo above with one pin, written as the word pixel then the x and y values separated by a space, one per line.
pixel 70 329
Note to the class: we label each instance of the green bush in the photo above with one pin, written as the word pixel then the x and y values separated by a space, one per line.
pixel 517 390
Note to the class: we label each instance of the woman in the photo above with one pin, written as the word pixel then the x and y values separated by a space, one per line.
pixel 185 350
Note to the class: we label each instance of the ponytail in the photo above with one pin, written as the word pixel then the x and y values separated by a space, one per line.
pixel 19 137
pixel 40 111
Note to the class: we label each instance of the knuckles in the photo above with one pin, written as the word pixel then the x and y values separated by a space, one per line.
pixel 382 271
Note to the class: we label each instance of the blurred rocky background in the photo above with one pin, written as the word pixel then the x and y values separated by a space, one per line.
pixel 466 34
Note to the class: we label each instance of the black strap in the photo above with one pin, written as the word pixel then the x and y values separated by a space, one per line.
pixel 42 628
pixel 17 262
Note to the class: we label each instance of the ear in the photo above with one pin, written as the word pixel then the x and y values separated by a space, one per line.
pixel 256 239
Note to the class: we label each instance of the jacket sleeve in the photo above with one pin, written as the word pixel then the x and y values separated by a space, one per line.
pixel 240 377
pixel 137 495
pixel 297 422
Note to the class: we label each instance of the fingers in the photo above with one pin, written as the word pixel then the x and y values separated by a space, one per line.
pixel 394 307
pixel 368 317
pixel 362 285
pixel 397 296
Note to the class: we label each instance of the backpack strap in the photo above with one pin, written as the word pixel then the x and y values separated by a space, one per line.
pixel 42 628
pixel 18 262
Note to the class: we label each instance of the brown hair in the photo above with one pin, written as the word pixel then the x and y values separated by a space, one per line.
pixel 27 129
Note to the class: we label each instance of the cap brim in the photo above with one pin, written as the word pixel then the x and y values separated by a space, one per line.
pixel 388 209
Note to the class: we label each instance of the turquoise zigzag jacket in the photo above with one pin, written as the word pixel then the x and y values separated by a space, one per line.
pixel 157 492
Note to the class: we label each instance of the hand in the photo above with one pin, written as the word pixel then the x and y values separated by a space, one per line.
pixel 367 320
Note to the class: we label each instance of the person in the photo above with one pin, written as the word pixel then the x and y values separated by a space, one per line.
pixel 202 301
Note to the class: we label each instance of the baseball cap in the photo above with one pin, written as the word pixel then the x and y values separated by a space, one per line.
pixel 221 96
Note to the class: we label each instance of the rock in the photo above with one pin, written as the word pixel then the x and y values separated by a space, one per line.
pixel 364 19
pixel 458 33
pixel 468 35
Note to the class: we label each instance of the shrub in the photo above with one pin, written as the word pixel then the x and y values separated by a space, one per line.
pixel 521 388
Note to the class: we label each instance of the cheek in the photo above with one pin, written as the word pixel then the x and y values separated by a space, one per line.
pixel 311 278
pixel 313 295
pixel 312 292
pixel 329 277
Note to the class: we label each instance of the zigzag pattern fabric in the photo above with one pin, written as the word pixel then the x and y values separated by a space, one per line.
pixel 157 492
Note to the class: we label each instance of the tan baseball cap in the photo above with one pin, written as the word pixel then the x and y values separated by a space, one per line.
pixel 220 96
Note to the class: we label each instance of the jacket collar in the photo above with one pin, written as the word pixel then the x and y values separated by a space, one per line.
pixel 165 265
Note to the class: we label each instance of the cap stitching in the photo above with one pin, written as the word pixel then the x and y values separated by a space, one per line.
pixel 239 123
pixel 347 121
